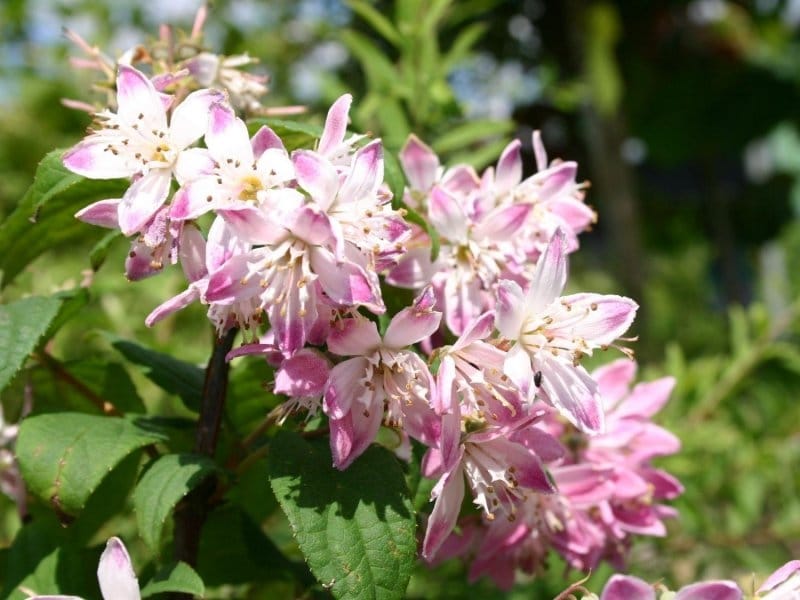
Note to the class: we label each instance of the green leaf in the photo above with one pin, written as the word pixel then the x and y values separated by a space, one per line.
pixel 471 132
pixel 354 527
pixel 168 480
pixel 177 577
pixel 170 374
pixel 294 134
pixel 22 324
pixel 378 22
pixel 44 218
pixel 63 457
pixel 99 252
pixel 380 73
pixel 393 174
pixel 462 46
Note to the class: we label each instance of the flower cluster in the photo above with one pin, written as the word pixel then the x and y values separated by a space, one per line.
pixel 293 246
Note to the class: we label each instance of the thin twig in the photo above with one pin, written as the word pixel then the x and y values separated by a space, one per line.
pixel 55 366
pixel 191 513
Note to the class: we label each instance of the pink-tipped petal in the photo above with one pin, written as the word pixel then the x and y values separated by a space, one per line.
pixel 573 392
pixel 92 158
pixel 550 275
pixel 510 309
pixel 143 199
pixel 302 375
pixel 191 118
pixel 614 380
pixel 789 571
pixel 503 223
pixel 136 96
pixel 509 168
pixel 104 213
pixel 266 139
pixel 447 215
pixel 115 573
pixel 646 399
pixel 358 433
pixel 317 176
pixel 539 151
pixel 192 253
pixel 232 281
pixel 345 385
pixel 366 174
pixel 254 225
pixel 335 124
pixel 413 323
pixel 598 319
pixel 194 199
pixel 449 493
pixel 174 304
pixel 420 163
pixel 627 587
pixel 711 590
pixel 345 283
pixel 354 337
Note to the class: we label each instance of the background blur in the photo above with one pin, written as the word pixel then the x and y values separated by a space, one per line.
pixel 684 116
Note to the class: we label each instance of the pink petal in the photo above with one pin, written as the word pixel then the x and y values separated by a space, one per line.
pixel 174 304
pixel 646 399
pixel 576 215
pixel 539 151
pixel 232 282
pixel 335 124
pixel 614 380
pixel 447 215
pixel 143 199
pixel 136 95
pixel 311 225
pixel 478 329
pixel 222 244
pixel 253 224
pixel 92 158
pixel 597 319
pixel 302 375
pixel 449 493
pixel 266 139
pixel 710 590
pixel 354 337
pixel 510 309
pixel 194 199
pixel 557 180
pixel 345 385
pixel 345 283
pixel 413 323
pixel 115 573
pixel 627 587
pixel 573 392
pixel 414 269
pixel 462 299
pixel 509 168
pixel 353 434
pixel 317 176
pixel 190 119
pixel 461 180
pixel 503 223
pixel 366 174
pixel 420 163
pixel 103 213
pixel 550 275
pixel 192 253
pixel 781 575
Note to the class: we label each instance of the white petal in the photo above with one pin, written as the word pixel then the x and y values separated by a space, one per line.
pixel 115 573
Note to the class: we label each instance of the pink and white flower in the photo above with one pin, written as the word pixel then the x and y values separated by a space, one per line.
pixel 139 141
pixel 628 587
pixel 383 380
pixel 550 333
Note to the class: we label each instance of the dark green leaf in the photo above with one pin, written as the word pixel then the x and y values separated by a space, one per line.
pixel 63 457
pixel 170 374
pixel 168 480
pixel 22 324
pixel 98 253
pixel 378 22
pixel 177 577
pixel 44 219
pixel 354 527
